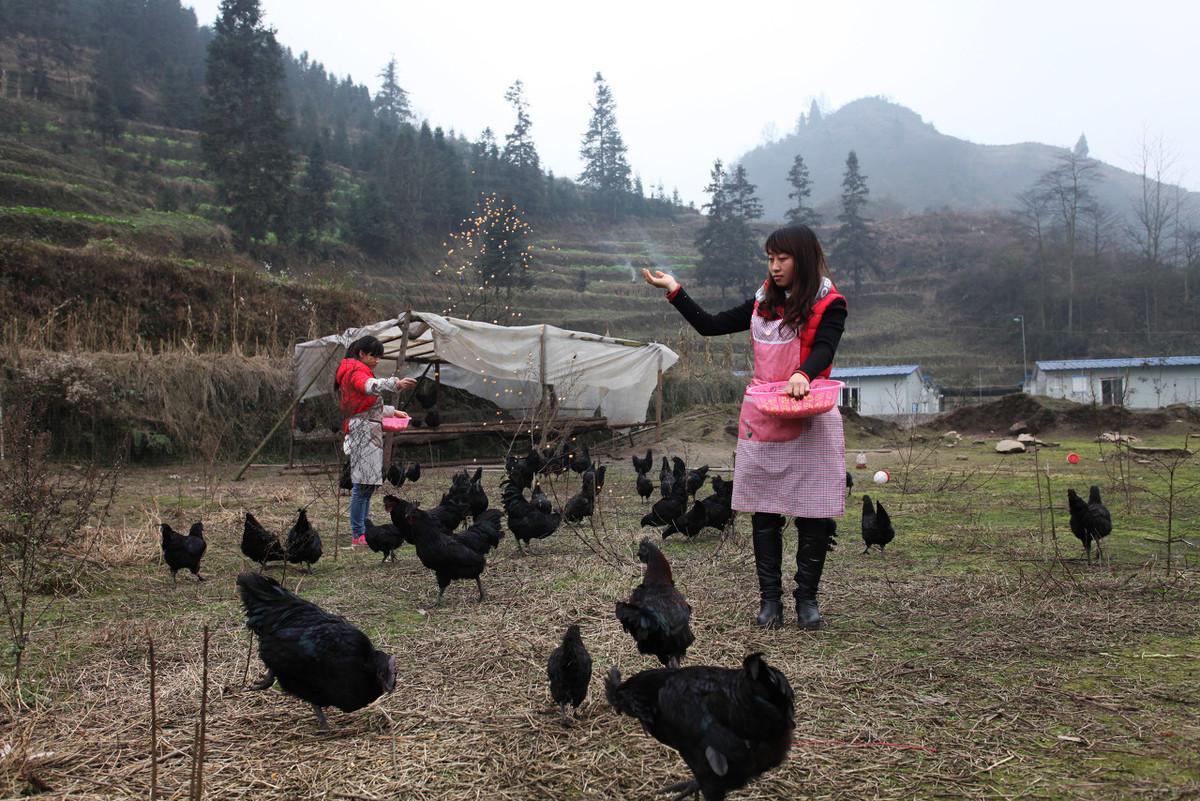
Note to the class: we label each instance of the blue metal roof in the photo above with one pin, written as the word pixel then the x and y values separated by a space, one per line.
pixel 872 372
pixel 1108 364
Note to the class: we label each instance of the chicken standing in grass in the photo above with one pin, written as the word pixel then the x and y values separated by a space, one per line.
pixel 183 553
pixel 303 542
pixel 1091 521
pixel 876 525
pixel 449 558
pixel 260 545
pixel 315 656
pixel 526 521
pixel 729 725
pixel 645 487
pixel 645 464
pixel 666 479
pixel 383 539
pixel 657 614
pixel 570 671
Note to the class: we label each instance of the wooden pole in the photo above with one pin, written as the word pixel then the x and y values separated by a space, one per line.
pixel 389 439
pixel 153 729
pixel 658 403
pixel 286 413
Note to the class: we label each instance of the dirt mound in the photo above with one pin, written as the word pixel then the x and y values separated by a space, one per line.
pixel 1046 414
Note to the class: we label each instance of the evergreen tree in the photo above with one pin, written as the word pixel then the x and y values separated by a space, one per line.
pixel 712 240
pixel 1081 147
pixel 520 155
pixel 105 120
pixel 814 113
pixel 854 244
pixel 745 254
pixel 801 214
pixel 603 151
pixel 391 103
pixel 313 212
pixel 245 133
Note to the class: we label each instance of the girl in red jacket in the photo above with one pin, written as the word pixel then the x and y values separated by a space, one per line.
pixel 793 467
pixel 363 411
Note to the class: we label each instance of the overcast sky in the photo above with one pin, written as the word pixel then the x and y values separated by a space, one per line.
pixel 696 81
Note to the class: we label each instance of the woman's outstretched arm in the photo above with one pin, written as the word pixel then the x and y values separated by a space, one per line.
pixel 730 321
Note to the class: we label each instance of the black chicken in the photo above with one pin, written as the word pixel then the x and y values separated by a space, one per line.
pixel 570 671
pixel 260 545
pixel 448 558
pixel 540 500
pixel 581 462
pixel 383 539
pixel 426 392
pixel 484 534
pixel 317 657
pixel 666 479
pixel 718 507
pixel 521 471
pixel 583 503
pixel 849 483
pixel 695 480
pixel 183 553
pixel 730 726
pixel 645 487
pixel 645 464
pixel 678 470
pixel 689 524
pixel 455 504
pixel 657 614
pixel 667 508
pixel 600 470
pixel 526 521
pixel 433 418
pixel 303 542
pixel 477 499
pixel 1091 521
pixel 876 525
pixel 398 473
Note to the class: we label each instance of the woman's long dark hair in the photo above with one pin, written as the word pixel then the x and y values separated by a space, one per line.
pixel 369 345
pixel 799 242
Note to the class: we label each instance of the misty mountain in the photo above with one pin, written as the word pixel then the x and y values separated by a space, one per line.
pixel 910 166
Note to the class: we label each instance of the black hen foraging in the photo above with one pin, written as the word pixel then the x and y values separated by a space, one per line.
pixel 570 671
pixel 183 553
pixel 1091 521
pixel 316 656
pixel 657 614
pixel 729 725
pixel 645 487
pixel 260 545
pixel 448 558
pixel 526 521
pixel 383 539
pixel 303 542
pixel 668 508
pixel 876 525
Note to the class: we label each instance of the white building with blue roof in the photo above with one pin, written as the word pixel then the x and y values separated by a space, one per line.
pixel 887 390
pixel 1139 383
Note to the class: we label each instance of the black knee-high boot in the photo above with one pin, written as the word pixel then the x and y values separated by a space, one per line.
pixel 815 538
pixel 767 531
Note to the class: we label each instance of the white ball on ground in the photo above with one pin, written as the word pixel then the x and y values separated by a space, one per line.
pixel 881 477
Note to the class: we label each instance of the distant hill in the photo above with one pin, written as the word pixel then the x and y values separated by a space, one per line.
pixel 910 166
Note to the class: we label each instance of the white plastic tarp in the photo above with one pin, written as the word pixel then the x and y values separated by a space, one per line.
pixel 590 373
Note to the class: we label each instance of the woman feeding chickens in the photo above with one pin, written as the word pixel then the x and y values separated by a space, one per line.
pixel 363 411
pixel 793 466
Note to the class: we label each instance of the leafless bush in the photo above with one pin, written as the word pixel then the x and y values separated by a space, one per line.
pixel 50 517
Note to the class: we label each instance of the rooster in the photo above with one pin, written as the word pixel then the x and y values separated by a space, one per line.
pixel 183 553
pixel 695 480
pixel 730 726
pixel 666 479
pixel 570 671
pixel 477 499
pixel 645 464
pixel 656 614
pixel 526 521
pixel 1091 521
pixel 876 525
pixel 317 657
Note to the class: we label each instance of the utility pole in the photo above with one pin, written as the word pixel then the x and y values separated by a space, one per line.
pixel 1024 359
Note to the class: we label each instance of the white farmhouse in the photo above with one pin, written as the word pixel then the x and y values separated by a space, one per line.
pixel 887 390
pixel 1140 383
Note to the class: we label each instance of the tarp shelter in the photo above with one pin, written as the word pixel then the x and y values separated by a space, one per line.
pixel 506 365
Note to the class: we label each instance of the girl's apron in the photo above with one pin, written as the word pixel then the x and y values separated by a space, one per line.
pixel 788 466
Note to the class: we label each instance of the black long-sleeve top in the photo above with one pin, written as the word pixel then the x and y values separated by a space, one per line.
pixel 732 321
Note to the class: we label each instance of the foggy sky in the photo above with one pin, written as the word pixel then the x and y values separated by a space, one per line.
pixel 693 82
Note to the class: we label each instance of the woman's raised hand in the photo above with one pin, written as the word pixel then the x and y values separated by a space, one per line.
pixel 405 383
pixel 661 280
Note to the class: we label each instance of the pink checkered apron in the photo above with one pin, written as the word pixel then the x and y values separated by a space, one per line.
pixel 793 467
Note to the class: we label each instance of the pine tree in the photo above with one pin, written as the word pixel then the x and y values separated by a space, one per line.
pixel 520 155
pixel 801 214
pixel 712 240
pixel 313 212
pixel 603 151
pixel 391 103
pixel 854 245
pixel 814 113
pixel 105 120
pixel 1081 147
pixel 245 131
pixel 745 255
